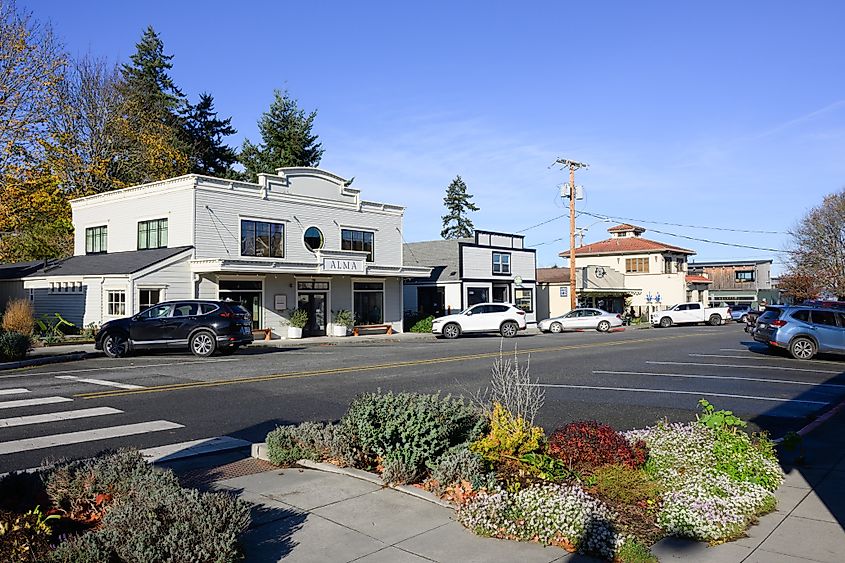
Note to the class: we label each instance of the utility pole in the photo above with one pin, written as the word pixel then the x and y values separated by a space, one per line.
pixel 573 166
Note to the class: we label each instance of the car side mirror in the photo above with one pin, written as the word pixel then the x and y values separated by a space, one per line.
pixel 468 313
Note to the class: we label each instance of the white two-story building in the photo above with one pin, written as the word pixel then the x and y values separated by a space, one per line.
pixel 300 238
pixel 654 272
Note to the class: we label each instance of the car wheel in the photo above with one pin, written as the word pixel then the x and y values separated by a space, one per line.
pixel 115 346
pixel 509 329
pixel 802 348
pixel 203 344
pixel 451 331
pixel 665 322
pixel 715 320
pixel 228 351
pixel 556 328
pixel 603 326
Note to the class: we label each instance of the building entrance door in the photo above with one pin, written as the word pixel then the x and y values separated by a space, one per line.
pixel 315 305
pixel 247 293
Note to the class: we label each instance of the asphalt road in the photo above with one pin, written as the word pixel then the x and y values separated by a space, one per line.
pixel 628 379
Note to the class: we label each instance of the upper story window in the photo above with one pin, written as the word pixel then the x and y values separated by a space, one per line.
pixel 744 275
pixel 313 239
pixel 96 240
pixel 152 234
pixel 262 239
pixel 667 266
pixel 501 263
pixel 364 241
pixel 636 265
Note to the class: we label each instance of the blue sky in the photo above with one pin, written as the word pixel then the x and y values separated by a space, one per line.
pixel 727 114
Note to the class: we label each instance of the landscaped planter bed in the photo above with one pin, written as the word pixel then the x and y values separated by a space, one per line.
pixel 115 508
pixel 584 488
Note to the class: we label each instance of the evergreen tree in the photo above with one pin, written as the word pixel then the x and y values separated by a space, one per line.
pixel 456 224
pixel 209 155
pixel 152 138
pixel 286 136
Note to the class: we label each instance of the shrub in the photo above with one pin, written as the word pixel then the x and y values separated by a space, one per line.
pixel 423 325
pixel 400 466
pixel 288 444
pixel 24 537
pixel 588 445
pixel 509 436
pixel 147 516
pixel 14 346
pixel 552 514
pixel 633 551
pixel 460 464
pixel 422 427
pixel 344 318
pixel 19 317
pixel 626 485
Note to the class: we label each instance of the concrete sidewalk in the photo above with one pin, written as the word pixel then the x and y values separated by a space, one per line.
pixel 311 515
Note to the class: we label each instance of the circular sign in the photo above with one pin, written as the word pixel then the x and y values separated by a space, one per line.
pixel 518 280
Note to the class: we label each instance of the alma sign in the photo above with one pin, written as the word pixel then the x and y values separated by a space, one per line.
pixel 335 265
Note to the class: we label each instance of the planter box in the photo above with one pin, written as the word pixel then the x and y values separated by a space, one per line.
pixel 294 332
pixel 339 330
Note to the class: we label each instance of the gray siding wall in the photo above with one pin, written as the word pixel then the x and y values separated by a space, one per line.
pixel 207 287
pixel 10 290
pixel 71 306
pixel 393 303
pixel 219 213
pixel 478 263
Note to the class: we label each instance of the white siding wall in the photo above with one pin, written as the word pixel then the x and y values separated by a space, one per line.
pixel 121 212
pixel 218 225
pixel 176 281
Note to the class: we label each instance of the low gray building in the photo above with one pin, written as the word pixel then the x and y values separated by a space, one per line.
pixel 489 267
pixel 737 282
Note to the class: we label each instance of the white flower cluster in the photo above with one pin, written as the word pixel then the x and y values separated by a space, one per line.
pixel 552 514
pixel 702 502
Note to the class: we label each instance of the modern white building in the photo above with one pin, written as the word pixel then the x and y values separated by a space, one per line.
pixel 299 238
pixel 654 272
pixel 489 267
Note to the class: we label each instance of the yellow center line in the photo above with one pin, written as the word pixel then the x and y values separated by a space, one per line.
pixel 374 367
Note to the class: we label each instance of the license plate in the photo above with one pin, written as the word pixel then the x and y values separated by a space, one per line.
pixel 245 330
pixel 761 325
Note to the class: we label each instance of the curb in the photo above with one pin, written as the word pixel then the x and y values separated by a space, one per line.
pixel 259 451
pixel 69 357
pixel 817 422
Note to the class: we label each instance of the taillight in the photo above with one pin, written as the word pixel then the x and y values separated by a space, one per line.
pixel 520 312
pixel 618 316
pixel 226 315
pixel 778 323
pixel 729 311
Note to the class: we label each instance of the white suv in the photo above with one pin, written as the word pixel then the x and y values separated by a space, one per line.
pixel 503 318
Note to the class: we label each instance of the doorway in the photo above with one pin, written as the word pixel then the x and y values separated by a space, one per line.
pixel 246 292
pixel 315 305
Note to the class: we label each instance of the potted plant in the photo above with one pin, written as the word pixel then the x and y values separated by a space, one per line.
pixel 342 322
pixel 298 320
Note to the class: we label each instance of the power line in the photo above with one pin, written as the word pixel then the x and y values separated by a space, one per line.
pixel 686 226
pixel 543 223
pixel 708 241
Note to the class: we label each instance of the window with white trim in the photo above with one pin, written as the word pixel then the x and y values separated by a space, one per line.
pixel 524 299
pixel 116 302
pixel 364 241
pixel 259 238
pixel 501 263
pixel 152 234
pixel 148 297
pixel 96 239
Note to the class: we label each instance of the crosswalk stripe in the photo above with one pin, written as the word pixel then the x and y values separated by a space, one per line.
pixel 32 402
pixel 54 440
pixel 100 382
pixel 56 416
pixel 13 391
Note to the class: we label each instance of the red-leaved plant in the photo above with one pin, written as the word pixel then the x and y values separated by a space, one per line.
pixel 588 445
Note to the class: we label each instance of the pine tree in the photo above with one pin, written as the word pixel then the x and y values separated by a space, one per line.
pixel 152 137
pixel 286 136
pixel 456 224
pixel 209 155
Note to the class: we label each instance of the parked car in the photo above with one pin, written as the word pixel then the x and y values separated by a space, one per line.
pixel 739 313
pixel 202 327
pixel 578 319
pixel 803 330
pixel 689 313
pixel 503 318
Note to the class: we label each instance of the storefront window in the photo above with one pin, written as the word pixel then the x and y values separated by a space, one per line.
pixel 476 295
pixel 368 303
pixel 524 299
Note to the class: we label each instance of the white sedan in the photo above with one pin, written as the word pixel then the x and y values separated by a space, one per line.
pixel 503 318
pixel 580 319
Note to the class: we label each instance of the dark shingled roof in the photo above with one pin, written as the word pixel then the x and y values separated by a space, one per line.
pixel 439 255
pixel 109 263
pixel 18 270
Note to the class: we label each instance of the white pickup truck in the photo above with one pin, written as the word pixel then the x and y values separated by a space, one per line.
pixel 686 313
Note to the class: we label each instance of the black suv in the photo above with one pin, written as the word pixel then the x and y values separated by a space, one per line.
pixel 202 326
